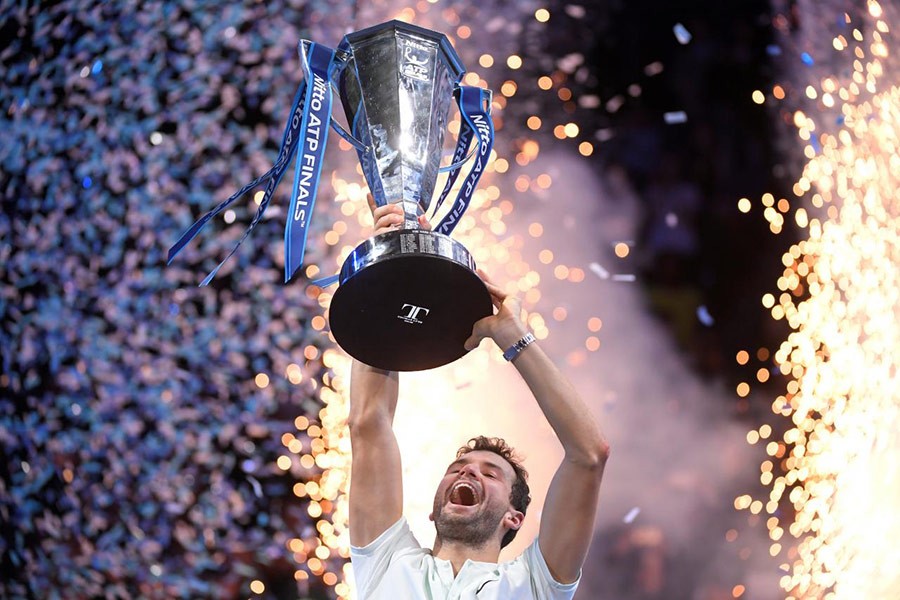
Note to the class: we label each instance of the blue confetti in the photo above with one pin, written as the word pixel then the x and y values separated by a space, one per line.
pixel 704 317
pixel 135 390
pixel 807 59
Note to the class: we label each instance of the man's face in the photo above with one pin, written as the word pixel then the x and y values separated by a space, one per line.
pixel 472 499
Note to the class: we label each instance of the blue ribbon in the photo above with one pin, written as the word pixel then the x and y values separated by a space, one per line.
pixel 462 147
pixel 324 282
pixel 288 145
pixel 314 133
pixel 473 104
pixel 295 129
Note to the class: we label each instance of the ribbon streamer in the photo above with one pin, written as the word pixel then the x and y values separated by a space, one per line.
pixel 311 104
pixel 462 147
pixel 476 116
pixel 288 146
pixel 309 159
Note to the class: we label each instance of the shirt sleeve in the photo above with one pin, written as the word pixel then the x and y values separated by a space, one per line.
pixel 371 562
pixel 545 584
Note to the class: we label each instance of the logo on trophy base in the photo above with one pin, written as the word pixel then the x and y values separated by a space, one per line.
pixel 412 317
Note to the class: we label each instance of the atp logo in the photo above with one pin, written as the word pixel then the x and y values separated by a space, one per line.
pixel 412 315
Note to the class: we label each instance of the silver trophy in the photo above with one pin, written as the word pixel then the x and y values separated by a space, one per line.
pixel 407 299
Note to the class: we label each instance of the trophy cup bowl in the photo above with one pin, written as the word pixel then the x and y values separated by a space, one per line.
pixel 407 299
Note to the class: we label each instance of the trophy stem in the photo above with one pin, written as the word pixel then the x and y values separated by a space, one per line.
pixel 411 212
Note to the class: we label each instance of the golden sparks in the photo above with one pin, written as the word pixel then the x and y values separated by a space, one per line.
pixel 835 467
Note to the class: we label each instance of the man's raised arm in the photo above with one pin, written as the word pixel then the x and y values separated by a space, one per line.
pixel 567 522
pixel 376 494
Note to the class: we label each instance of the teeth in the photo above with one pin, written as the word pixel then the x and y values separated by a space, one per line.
pixel 456 496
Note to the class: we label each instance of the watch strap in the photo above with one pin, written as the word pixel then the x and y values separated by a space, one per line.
pixel 514 350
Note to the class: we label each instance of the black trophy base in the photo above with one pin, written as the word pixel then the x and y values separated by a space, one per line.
pixel 407 301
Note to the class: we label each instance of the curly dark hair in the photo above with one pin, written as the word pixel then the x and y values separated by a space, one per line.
pixel 520 497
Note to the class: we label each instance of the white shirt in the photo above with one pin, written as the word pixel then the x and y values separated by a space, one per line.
pixel 396 567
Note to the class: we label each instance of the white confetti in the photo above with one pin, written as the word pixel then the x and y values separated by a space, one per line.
pixel 575 11
pixel 599 271
pixel 604 135
pixel 257 489
pixel 589 101
pixel 654 68
pixel 614 103
pixel 632 515
pixel 671 220
pixel 681 34
pixel 675 116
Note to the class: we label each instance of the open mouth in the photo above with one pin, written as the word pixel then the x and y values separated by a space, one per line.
pixel 464 494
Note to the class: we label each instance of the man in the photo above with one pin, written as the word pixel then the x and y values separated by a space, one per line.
pixel 480 502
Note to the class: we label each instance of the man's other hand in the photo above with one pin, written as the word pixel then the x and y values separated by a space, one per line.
pixel 505 326
pixel 390 217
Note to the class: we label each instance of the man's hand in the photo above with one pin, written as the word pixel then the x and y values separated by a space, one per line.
pixel 505 326
pixel 390 217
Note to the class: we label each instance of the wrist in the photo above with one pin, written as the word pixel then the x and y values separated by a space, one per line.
pixel 507 333
pixel 516 348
